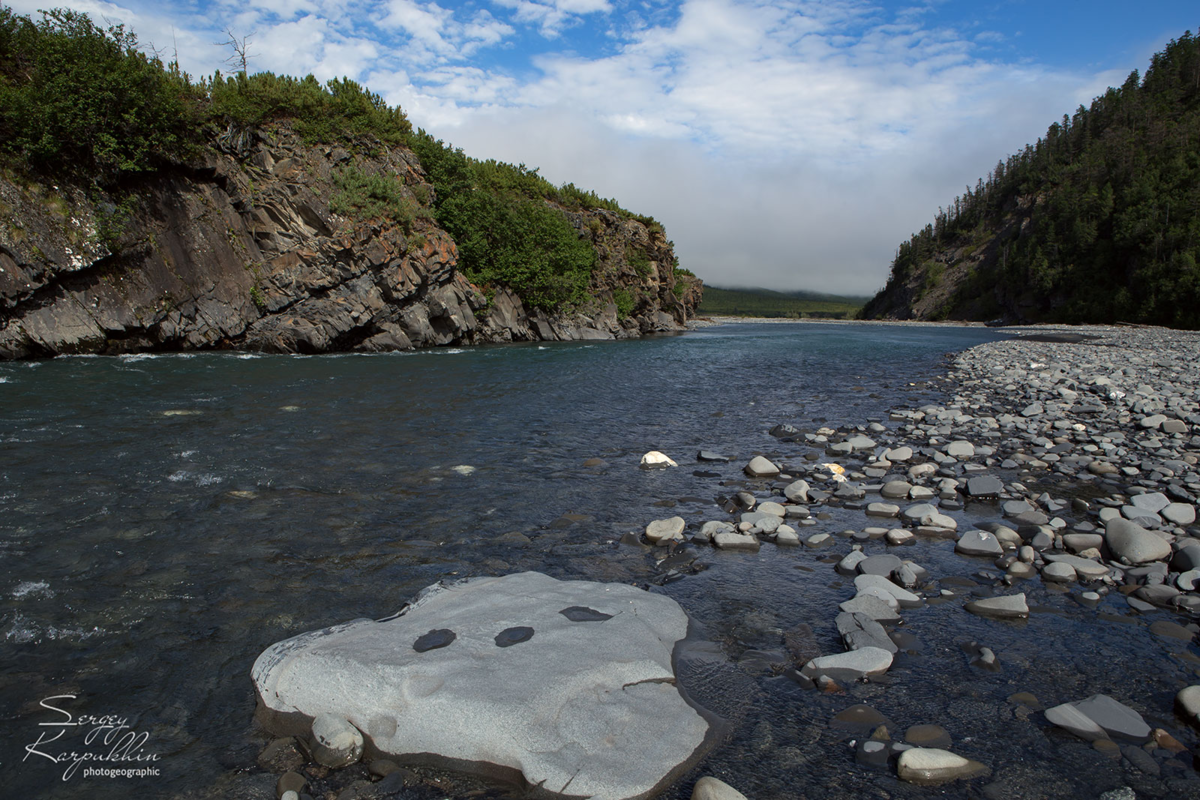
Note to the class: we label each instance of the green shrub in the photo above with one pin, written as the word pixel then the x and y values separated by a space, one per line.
pixel 625 303
pixel 361 196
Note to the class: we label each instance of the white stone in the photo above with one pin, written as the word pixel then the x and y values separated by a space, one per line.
pixel 664 531
pixel 657 460
pixel 903 596
pixel 736 541
pixel 1011 606
pixel 960 449
pixel 708 788
pixel 590 703
pixel 797 491
pixel 335 742
pixel 852 664
pixel 929 765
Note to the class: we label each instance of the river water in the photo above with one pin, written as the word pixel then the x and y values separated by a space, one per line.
pixel 163 519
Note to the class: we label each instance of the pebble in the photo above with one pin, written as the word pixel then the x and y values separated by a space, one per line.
pixel 760 467
pixel 709 788
pixel 931 766
pixel 1187 703
pixel 664 531
pixel 335 742
pixel 1005 607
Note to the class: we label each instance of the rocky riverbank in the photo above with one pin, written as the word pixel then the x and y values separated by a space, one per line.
pixel 1082 446
pixel 1060 470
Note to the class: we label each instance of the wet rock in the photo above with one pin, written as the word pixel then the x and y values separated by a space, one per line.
pixel 853 665
pixel 859 630
pixel 664 531
pixel 760 467
pixel 978 543
pixel 960 449
pixel 928 736
pixel 1187 704
pixel 1058 572
pixel 708 455
pixel 736 541
pixel 797 491
pixel 902 596
pixel 931 766
pixel 873 606
pixel 984 486
pixel 1100 716
pixel 885 510
pixel 1133 543
pixel 884 565
pixel 1179 513
pixel 896 490
pixel 1005 607
pixel 334 742
pixel 709 788
pixel 871 753
pixel 627 726
pixel 656 460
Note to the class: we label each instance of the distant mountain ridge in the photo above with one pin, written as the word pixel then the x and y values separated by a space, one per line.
pixel 1099 221
pixel 770 303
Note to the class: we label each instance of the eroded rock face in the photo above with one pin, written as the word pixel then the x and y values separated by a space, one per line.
pixel 243 250
pixel 568 684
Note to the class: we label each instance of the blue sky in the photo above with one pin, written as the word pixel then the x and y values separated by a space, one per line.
pixel 789 144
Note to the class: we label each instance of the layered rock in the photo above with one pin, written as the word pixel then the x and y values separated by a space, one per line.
pixel 242 249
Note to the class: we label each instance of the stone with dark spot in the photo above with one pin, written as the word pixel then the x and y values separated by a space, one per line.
pixel 584 614
pixel 510 636
pixel 439 637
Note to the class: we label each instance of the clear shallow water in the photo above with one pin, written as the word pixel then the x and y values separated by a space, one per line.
pixel 164 519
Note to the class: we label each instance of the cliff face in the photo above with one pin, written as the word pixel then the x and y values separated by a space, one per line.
pixel 241 249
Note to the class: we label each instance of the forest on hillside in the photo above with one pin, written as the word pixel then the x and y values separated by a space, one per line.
pixel 1099 221
pixel 86 105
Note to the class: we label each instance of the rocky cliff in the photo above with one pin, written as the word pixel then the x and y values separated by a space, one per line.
pixel 240 249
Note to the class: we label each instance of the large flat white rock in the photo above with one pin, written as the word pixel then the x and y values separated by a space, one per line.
pixel 566 683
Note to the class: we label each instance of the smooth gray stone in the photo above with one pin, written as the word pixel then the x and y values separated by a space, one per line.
pixel 1070 718
pixel 1150 501
pixel 1134 513
pixel 860 442
pixel 884 565
pixel 1031 518
pixel 760 467
pixel 1141 759
pixel 772 508
pixel 1119 720
pixel 736 541
pixel 979 543
pixel 1186 558
pixel 896 490
pixel 335 743
pixel 959 449
pixel 1011 606
pixel 884 510
pixel 708 455
pixel 859 630
pixel 929 766
pixel 939 520
pixel 711 528
pixel 849 563
pixel 763 522
pixel 872 606
pixel 613 681
pixel 797 491
pixel 1188 581
pixel 1058 572
pixel 709 788
pixel 919 511
pixel 1032 410
pixel 984 486
pixel 1187 703
pixel 1084 567
pixel 1076 542
pixel 1012 508
pixel 1138 604
pixel 1161 595
pixel 851 665
pixel 871 753
pixel 661 530
pixel 1133 543
pixel 1179 513
pixel 905 598
pixel 898 454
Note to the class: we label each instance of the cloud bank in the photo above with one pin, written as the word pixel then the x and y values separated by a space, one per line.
pixel 789 144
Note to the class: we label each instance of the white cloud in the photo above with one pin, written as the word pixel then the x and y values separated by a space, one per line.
pixel 551 16
pixel 790 143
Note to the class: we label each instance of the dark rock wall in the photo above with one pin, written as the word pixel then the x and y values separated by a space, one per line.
pixel 242 251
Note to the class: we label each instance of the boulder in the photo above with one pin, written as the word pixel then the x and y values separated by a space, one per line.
pixel 708 788
pixel 979 543
pixel 1133 543
pixel 584 696
pixel 852 665
pixel 797 491
pixel 760 467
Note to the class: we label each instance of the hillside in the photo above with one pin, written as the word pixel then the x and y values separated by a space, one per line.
pixel 143 210
pixel 1099 221
pixel 768 303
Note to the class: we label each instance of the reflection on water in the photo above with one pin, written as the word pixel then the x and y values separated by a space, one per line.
pixel 163 519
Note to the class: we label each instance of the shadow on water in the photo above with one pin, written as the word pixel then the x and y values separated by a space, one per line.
pixel 164 519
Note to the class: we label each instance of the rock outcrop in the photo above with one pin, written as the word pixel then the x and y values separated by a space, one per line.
pixel 241 250
pixel 568 686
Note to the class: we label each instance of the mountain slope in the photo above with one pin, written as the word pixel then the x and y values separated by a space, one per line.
pixel 1099 221
pixel 140 210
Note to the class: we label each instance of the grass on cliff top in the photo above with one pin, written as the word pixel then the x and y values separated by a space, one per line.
pixel 770 304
